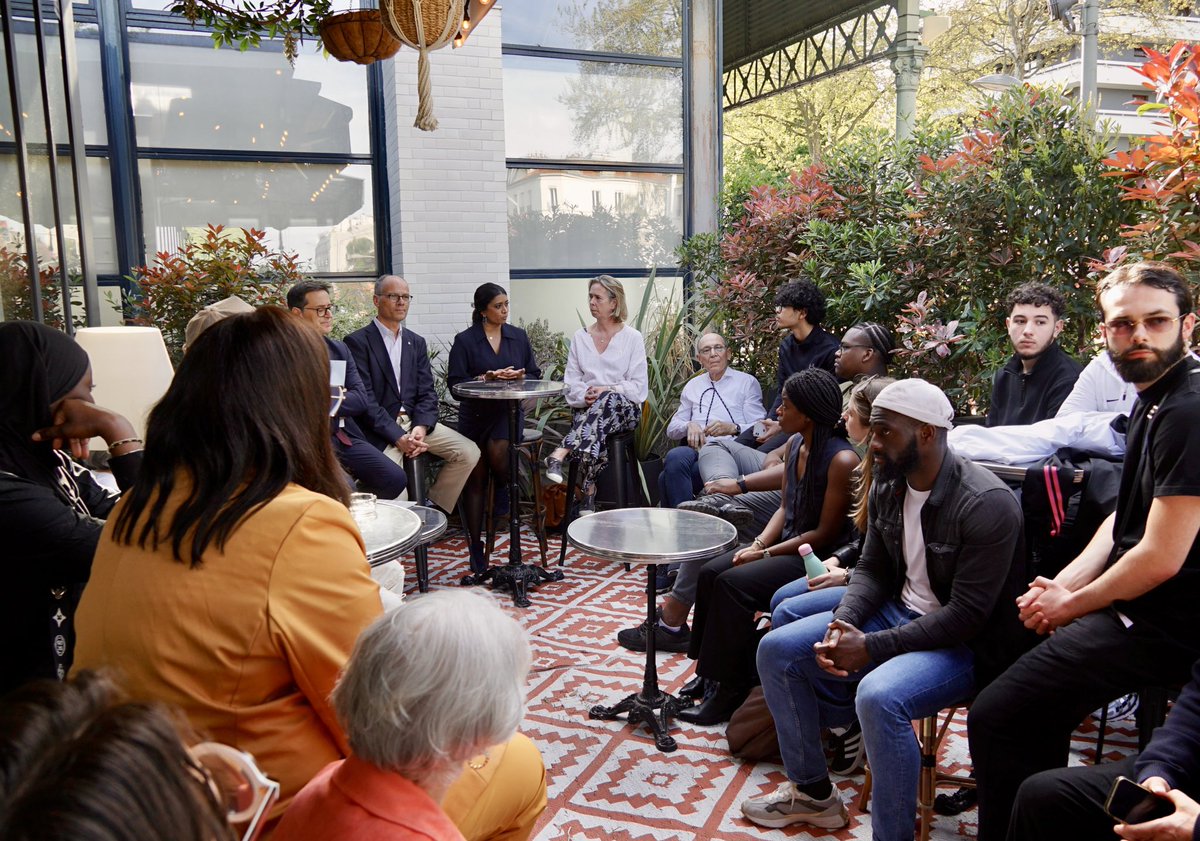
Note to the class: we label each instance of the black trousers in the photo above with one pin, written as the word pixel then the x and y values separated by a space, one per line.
pixel 1021 723
pixel 724 639
pixel 377 473
pixel 1067 804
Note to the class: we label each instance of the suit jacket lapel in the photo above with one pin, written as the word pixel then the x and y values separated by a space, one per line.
pixel 407 373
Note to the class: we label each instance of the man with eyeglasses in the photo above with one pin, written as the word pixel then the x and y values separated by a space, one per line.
pixel 394 362
pixel 1039 376
pixel 717 404
pixel 309 300
pixel 1122 613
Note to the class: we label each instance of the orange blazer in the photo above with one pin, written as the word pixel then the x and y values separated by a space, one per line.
pixel 249 644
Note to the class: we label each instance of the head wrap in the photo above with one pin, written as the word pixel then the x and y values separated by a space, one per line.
pixel 41 365
pixel 917 399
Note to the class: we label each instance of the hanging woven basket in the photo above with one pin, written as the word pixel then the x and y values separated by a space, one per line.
pixel 358 36
pixel 423 25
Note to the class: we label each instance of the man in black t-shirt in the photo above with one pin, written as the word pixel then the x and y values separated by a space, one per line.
pixel 1123 612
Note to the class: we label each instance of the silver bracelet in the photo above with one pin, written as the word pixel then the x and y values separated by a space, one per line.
pixel 116 444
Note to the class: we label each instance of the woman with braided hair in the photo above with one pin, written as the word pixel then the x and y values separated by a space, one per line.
pixel 815 507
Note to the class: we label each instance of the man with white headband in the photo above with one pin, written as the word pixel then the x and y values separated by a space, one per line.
pixel 928 612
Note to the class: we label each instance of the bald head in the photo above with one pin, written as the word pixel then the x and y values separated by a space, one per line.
pixel 713 354
pixel 392 298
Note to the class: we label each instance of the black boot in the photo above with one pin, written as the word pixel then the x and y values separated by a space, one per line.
pixel 698 688
pixel 717 708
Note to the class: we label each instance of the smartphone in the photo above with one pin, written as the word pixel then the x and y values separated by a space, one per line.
pixel 1131 803
pixel 759 429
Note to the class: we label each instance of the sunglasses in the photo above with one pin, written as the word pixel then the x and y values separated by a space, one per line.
pixel 245 792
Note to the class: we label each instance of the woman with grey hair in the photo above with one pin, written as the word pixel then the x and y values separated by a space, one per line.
pixel 434 689
pixel 606 382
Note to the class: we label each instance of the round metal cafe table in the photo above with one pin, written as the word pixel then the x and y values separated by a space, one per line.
pixel 515 576
pixel 650 536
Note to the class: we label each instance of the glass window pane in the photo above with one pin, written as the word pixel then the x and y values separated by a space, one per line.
pixel 187 95
pixel 91 97
pixel 642 27
pixel 592 111
pixel 322 212
pixel 636 221
pixel 562 302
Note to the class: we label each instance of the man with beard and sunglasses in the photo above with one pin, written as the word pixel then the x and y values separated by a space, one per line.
pixel 1122 613
pixel 920 624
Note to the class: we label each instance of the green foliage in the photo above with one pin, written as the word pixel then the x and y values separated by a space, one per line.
pixel 928 239
pixel 16 291
pixel 220 263
pixel 244 23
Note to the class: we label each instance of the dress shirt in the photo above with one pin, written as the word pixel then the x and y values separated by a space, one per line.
pixel 395 347
pixel 736 397
pixel 622 366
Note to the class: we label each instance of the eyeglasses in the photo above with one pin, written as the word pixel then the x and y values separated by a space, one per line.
pixel 323 311
pixel 245 792
pixel 396 297
pixel 845 346
pixel 710 349
pixel 1122 328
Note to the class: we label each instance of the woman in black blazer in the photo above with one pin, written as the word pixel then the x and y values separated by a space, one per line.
pixel 490 349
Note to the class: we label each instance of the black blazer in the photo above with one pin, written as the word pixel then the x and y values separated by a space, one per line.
pixel 416 394
pixel 363 418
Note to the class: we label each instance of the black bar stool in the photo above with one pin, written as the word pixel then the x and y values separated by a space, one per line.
pixel 621 460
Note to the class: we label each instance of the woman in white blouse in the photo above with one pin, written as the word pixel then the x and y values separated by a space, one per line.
pixel 606 383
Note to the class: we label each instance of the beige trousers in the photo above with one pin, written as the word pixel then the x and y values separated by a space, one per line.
pixel 459 454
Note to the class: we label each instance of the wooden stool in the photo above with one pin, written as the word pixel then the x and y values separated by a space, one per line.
pixel 930 737
pixel 530 450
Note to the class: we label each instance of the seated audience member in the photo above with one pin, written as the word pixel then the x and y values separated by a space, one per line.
pixel 77 761
pixel 1068 804
pixel 1123 611
pixel 865 351
pixel 394 364
pixel 717 404
pixel 814 509
pixel 231 581
pixel 807 416
pixel 1040 375
pixel 930 596
pixel 433 690
pixel 490 349
pixel 606 384
pixel 799 309
pixel 309 299
pixel 51 509
pixel 210 315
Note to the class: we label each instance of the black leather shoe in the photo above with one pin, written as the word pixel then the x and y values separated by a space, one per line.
pixel 956 802
pixel 739 516
pixel 718 708
pixel 698 688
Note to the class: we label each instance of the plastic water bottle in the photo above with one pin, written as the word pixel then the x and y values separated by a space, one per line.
pixel 812 564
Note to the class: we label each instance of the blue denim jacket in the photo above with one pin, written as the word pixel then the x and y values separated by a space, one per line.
pixel 974 552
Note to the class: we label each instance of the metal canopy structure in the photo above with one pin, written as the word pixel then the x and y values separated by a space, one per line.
pixel 770 46
pixel 773 45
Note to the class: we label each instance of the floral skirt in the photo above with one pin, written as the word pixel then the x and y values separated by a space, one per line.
pixel 591 426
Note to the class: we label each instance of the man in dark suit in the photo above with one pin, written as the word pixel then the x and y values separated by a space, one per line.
pixel 394 361
pixel 309 300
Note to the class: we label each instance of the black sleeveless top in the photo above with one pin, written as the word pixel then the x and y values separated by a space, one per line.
pixel 793 501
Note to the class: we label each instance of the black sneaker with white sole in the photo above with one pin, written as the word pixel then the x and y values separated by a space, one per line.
pixel 846 745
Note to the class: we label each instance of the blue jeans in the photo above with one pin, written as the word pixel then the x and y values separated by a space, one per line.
pixel 794 601
pixel 803 698
pixel 680 477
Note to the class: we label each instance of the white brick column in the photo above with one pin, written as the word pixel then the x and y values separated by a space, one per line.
pixel 448 187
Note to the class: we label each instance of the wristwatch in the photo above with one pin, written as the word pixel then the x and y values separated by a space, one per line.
pixel 766 552
pixel 741 483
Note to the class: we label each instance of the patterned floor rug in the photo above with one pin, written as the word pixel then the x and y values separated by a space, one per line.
pixel 607 782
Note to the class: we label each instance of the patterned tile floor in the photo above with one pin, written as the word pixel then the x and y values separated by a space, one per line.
pixel 606 780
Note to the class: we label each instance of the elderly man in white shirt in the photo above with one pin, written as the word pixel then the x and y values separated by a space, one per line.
pixel 717 404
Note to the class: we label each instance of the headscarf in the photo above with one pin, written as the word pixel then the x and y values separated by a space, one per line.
pixel 40 366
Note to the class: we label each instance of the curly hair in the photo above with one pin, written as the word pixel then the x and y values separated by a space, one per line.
pixel 803 295
pixel 1037 295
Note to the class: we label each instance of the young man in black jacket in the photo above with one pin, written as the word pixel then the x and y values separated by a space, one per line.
pixel 1040 374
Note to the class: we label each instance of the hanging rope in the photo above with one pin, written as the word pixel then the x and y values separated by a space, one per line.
pixel 406 19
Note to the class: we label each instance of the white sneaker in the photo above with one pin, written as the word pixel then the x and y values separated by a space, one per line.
pixel 788 805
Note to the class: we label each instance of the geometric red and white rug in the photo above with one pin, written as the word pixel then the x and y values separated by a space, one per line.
pixel 607 782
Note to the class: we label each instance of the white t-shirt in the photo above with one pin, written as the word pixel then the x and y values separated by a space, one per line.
pixel 916 594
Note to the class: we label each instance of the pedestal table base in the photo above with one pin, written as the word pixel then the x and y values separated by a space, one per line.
pixel 517 579
pixel 643 711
